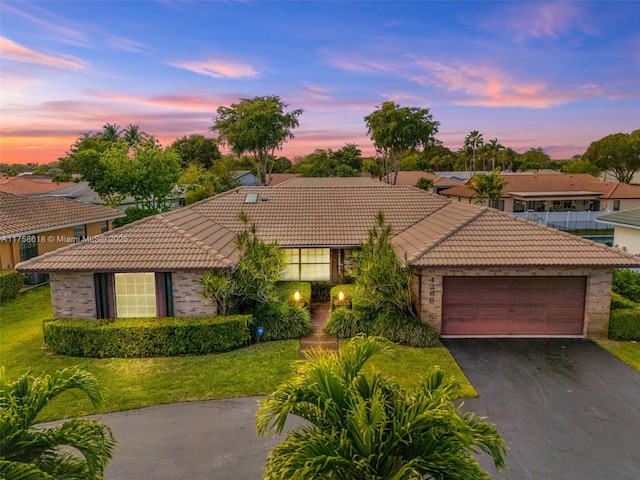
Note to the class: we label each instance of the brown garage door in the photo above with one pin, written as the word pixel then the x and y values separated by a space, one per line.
pixel 513 305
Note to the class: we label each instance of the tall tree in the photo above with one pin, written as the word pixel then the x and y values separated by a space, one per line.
pixel 197 150
pixel 488 186
pixel 472 143
pixel 493 148
pixel 134 136
pixel 618 153
pixel 258 126
pixel 535 159
pixel 29 452
pixel 363 426
pixel 111 132
pixel 397 130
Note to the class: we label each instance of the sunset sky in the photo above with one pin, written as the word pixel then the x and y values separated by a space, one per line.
pixel 555 75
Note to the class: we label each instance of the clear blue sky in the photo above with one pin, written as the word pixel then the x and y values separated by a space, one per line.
pixel 556 75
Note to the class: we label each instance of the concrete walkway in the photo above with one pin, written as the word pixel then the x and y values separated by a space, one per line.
pixel 318 339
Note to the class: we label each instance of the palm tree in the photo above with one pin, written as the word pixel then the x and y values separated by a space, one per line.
pixel 111 132
pixel 364 426
pixel 494 147
pixel 133 135
pixel 488 185
pixel 27 452
pixel 472 143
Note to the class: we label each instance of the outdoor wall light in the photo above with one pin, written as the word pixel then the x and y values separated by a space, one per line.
pixel 341 295
pixel 296 296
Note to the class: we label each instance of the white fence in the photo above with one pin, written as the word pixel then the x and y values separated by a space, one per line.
pixel 567 220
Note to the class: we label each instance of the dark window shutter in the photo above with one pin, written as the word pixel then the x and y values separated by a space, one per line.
pixel 105 300
pixel 164 294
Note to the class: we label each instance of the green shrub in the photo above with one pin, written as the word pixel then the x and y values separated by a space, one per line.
pixel 285 291
pixel 346 323
pixel 627 283
pixel 404 329
pixel 625 324
pixel 280 321
pixel 146 337
pixel 618 302
pixel 320 291
pixel 10 284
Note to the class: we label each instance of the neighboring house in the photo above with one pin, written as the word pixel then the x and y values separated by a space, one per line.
pixel 440 183
pixel 278 178
pixel 34 226
pixel 541 192
pixel 82 192
pixel 28 186
pixel 478 271
pixel 247 178
pixel 626 229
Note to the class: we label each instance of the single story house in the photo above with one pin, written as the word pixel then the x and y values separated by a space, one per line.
pixel 626 229
pixel 542 192
pixel 477 271
pixel 30 226
pixel 440 183
pixel 27 186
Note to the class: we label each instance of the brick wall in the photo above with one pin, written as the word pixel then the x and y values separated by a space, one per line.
pixel 187 296
pixel 73 295
pixel 597 303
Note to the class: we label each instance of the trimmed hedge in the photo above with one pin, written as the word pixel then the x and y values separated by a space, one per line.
pixel 147 337
pixel 10 284
pixel 624 324
pixel 320 291
pixel 285 291
pixel 627 283
pixel 349 291
pixel 280 321
pixel 618 302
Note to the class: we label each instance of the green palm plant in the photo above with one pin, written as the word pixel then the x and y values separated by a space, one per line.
pixel 363 426
pixel 488 185
pixel 29 452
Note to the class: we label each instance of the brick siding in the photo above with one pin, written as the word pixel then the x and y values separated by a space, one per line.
pixel 187 296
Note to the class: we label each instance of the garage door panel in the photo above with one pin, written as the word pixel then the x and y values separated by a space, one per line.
pixel 513 305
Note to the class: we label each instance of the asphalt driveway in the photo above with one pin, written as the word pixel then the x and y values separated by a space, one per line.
pixel 566 408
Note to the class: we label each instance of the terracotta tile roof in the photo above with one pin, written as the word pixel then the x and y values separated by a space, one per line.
pixel 430 229
pixel 411 179
pixel 278 178
pixel 492 238
pixel 332 182
pixel 519 183
pixel 27 186
pixel 27 215
pixel 150 244
pixel 629 218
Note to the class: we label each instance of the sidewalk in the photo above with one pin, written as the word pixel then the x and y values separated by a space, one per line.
pixel 318 339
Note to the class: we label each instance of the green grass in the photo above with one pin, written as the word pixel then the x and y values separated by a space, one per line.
pixel 140 382
pixel 411 365
pixel 628 352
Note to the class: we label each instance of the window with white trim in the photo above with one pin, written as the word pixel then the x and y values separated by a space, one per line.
pixel 135 295
pixel 308 264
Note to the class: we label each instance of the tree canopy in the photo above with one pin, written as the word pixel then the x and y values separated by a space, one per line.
pixel 618 153
pixel 397 130
pixel 257 126
pixel 197 150
pixel 488 185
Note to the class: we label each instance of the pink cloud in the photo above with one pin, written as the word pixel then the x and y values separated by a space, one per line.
pixel 483 85
pixel 218 68
pixel 13 51
pixel 541 20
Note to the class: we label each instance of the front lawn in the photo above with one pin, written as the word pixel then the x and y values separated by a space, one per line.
pixel 628 352
pixel 130 383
